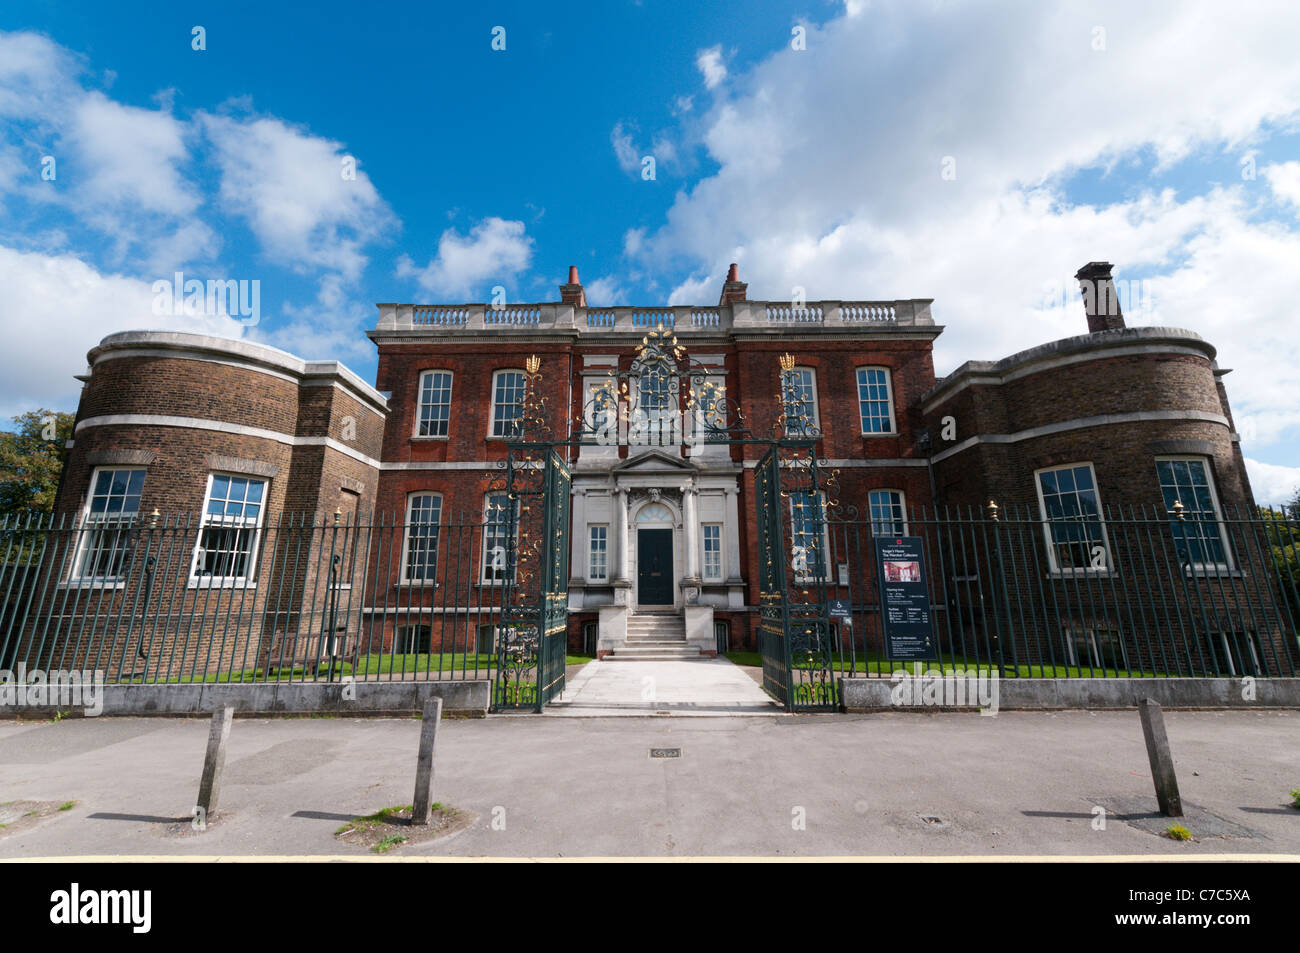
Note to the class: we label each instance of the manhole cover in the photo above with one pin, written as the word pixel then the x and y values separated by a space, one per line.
pixel 665 752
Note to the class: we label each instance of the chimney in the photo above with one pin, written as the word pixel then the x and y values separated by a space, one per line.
pixel 572 292
pixel 733 289
pixel 1099 298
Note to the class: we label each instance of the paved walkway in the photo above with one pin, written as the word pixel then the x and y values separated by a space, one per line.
pixel 902 783
pixel 694 687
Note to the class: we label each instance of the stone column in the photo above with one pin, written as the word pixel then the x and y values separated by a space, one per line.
pixel 620 524
pixel 692 534
pixel 579 540
pixel 732 532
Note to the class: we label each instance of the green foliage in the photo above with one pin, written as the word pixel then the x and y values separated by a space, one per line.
pixel 1295 798
pixel 1282 535
pixel 31 459
pixel 1178 832
pixel 388 843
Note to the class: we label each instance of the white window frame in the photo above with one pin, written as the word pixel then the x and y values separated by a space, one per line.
pixel 492 403
pixel 1227 565
pixel 406 541
pixel 484 578
pixel 1093 645
pixel 88 527
pixel 826 541
pixel 902 503
pixel 249 579
pixel 404 632
pixel 592 552
pixel 1047 523
pixel 889 397
pixel 420 404
pixel 816 403
pixel 704 554
pixel 601 409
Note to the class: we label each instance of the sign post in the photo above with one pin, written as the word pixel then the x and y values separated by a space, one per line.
pixel 904 600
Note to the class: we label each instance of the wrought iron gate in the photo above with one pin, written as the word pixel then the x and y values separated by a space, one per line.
pixel 795 633
pixel 554 602
pixel 774 611
pixel 533 636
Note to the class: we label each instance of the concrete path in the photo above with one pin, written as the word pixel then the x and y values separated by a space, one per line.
pixel 688 687
pixel 905 783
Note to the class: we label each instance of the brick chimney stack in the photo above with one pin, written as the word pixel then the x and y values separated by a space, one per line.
pixel 1100 300
pixel 572 292
pixel 733 289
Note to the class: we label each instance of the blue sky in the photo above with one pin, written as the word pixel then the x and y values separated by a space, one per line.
pixel 1166 140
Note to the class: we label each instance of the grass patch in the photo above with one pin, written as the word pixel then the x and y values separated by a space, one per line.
pixel 391 827
pixel 67 805
pixel 947 665
pixel 388 843
pixel 1178 832
pixel 376 667
pixel 385 815
pixel 1295 799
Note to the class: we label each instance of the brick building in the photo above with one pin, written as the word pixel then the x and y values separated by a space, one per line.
pixel 229 438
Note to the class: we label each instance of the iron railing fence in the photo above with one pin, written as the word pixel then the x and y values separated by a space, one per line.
pixel 1131 591
pixel 180 600
pixel 183 600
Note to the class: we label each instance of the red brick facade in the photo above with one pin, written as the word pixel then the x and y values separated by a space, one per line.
pixel 184 407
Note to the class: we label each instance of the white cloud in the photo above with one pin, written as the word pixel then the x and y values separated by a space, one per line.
pixel 831 178
pixel 606 292
pixel 1272 484
pixel 54 309
pixel 289 186
pixel 130 156
pixel 37 76
pixel 709 63
pixel 494 253
pixel 625 150
pixel 1284 179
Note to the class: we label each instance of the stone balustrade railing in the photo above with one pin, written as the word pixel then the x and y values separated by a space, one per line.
pixel 741 315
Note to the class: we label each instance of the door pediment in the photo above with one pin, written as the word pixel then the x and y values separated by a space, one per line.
pixel 652 461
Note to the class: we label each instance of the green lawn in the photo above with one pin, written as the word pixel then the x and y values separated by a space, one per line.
pixel 949 664
pixel 368 666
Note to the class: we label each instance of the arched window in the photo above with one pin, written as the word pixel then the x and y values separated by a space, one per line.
pixel 654 513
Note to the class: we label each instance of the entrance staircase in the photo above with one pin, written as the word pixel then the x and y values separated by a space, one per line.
pixel 656 637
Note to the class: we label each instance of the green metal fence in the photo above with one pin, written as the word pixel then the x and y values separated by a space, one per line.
pixel 1126 592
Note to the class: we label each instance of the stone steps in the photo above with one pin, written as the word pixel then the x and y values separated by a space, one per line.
pixel 655 638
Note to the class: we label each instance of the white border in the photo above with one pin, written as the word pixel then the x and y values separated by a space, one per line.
pixel 405 579
pixel 871 519
pixel 1047 523
pixel 492 401
pixel 249 579
pixel 1212 483
pixel 419 403
pixel 889 391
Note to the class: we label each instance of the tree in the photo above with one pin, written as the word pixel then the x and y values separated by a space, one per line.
pixel 31 460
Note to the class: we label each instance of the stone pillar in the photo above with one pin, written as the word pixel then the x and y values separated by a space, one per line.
pixel 691 534
pixel 580 538
pixel 732 532
pixel 620 521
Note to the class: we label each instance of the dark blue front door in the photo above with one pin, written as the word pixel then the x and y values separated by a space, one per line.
pixel 654 567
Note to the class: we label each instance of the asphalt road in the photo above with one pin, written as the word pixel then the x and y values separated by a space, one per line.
pixel 888 784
